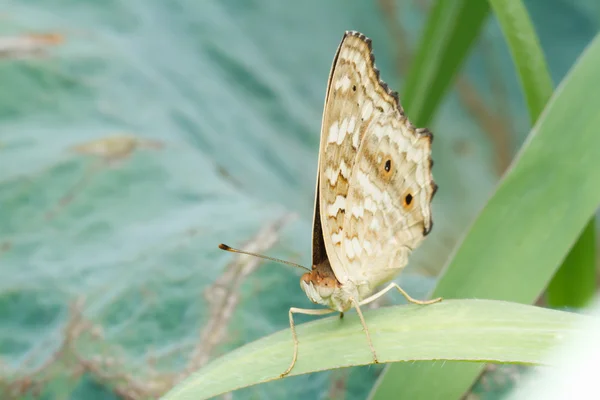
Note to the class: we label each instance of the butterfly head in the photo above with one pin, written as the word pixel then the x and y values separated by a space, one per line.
pixel 322 287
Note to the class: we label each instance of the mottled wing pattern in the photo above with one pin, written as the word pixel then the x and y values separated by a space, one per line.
pixel 389 202
pixel 366 227
pixel 354 99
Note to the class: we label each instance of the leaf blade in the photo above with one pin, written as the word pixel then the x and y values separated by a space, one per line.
pixel 527 54
pixel 444 331
pixel 574 284
pixel 445 44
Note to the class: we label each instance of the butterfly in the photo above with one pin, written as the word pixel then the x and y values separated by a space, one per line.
pixel 373 192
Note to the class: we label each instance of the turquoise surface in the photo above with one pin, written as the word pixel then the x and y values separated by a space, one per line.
pixel 109 268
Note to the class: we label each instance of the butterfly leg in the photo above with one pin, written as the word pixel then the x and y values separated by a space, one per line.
pixel 306 311
pixel 364 324
pixel 406 296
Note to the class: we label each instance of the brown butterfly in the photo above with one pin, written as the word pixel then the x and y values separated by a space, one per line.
pixel 373 193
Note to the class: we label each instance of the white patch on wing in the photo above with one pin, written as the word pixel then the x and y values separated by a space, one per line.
pixel 375 225
pixel 369 205
pixel 370 189
pixel 356 57
pixel 413 153
pixel 352 124
pixel 343 83
pixel 348 248
pixel 338 204
pixel 380 131
pixel 367 110
pixel 420 175
pixel 336 238
pixel 356 246
pixel 357 211
pixel 355 138
pixel 333 174
pixel 342 131
pixel 345 170
pixel 333 133
pixel 354 131
pixel 368 247
pixel 345 53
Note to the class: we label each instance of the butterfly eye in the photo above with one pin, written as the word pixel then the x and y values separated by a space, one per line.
pixel 354 88
pixel 407 201
pixel 386 170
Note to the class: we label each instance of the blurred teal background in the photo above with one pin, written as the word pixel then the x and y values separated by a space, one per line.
pixel 111 282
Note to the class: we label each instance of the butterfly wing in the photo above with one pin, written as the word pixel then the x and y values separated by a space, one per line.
pixel 367 233
pixel 342 129
pixel 350 105
pixel 389 202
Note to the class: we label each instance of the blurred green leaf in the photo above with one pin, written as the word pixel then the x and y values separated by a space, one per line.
pixel 526 229
pixel 574 284
pixel 450 31
pixel 526 53
pixel 451 330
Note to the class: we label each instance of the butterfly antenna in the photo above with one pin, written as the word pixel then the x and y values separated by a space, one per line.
pixel 231 249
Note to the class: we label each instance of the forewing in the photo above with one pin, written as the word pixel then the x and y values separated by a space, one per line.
pixel 355 99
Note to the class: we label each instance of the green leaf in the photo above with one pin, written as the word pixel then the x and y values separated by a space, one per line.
pixel 451 30
pixel 575 282
pixel 527 228
pixel 473 330
pixel 527 54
